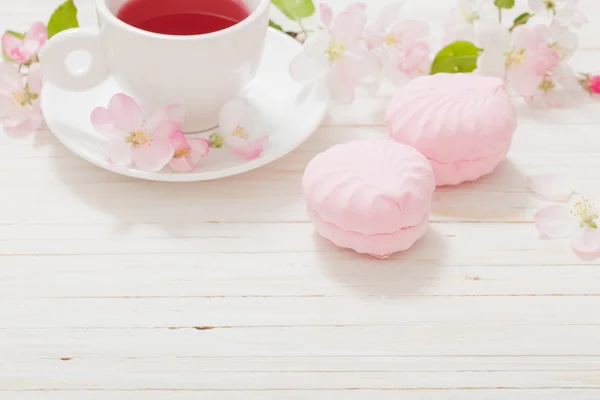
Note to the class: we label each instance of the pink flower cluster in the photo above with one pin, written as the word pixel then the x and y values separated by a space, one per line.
pixel 21 82
pixel 157 141
pixel 349 52
pixel 533 58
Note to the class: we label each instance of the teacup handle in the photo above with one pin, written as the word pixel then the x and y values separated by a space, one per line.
pixel 53 59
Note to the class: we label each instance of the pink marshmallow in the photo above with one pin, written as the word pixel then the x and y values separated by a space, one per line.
pixel 370 196
pixel 463 123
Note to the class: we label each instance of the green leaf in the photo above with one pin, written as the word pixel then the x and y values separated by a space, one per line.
pixel 508 4
pixel 18 36
pixel 521 20
pixel 63 18
pixel 295 9
pixel 456 57
pixel 276 26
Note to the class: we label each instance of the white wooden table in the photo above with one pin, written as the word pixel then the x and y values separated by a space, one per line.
pixel 114 288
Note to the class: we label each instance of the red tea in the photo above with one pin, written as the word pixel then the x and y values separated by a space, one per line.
pixel 183 17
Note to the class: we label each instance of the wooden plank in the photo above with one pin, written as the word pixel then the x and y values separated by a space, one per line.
pixel 341 274
pixel 445 244
pixel 241 374
pixel 208 313
pixel 333 394
pixel 193 374
pixel 450 338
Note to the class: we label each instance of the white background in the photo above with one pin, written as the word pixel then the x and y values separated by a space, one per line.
pixel 113 288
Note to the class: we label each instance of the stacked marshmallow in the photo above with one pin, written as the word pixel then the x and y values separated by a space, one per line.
pixel 375 196
pixel 370 196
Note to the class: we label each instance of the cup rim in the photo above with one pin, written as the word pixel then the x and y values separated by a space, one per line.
pixel 103 8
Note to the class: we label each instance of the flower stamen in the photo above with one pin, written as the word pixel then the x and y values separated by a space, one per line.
pixel 560 50
pixel 24 97
pixel 240 132
pixel 470 16
pixel 547 84
pixel 139 138
pixel 515 57
pixel 391 40
pixel 335 51
pixel 181 152
pixel 550 5
pixel 585 211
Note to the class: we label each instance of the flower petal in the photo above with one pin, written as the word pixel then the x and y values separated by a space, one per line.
pixel 163 131
pixel 523 80
pixel 178 140
pixel 389 14
pixel 358 64
pixel 118 151
pixel 349 26
pixel 341 88
pixel 251 149
pixel 395 74
pixel 36 37
pixel 231 116
pixel 494 37
pixel 555 221
pixel 586 240
pixel 18 127
pixel 537 6
pixel 34 78
pixel 551 186
pixel 565 75
pixel 14 48
pixel 125 113
pixel 411 29
pixel 543 59
pixel 10 79
pixel 305 69
pixel 317 44
pixel 154 157
pixel 374 36
pixel 181 164
pixel 199 149
pixel 103 125
pixel 326 15
pixel 525 38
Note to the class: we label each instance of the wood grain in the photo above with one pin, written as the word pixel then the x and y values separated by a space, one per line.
pixel 117 289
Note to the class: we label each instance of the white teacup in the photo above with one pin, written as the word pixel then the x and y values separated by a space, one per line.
pixel 199 72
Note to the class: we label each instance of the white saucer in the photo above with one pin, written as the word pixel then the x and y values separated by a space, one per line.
pixel 292 112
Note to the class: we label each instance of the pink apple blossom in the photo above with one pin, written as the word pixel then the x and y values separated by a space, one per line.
pixel 567 11
pixel 25 50
pixel 401 47
pixel 337 54
pixel 559 38
pixel 461 23
pixel 579 223
pixel 514 55
pixel 20 99
pixel 131 138
pixel 243 129
pixel 188 151
pixel 552 88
